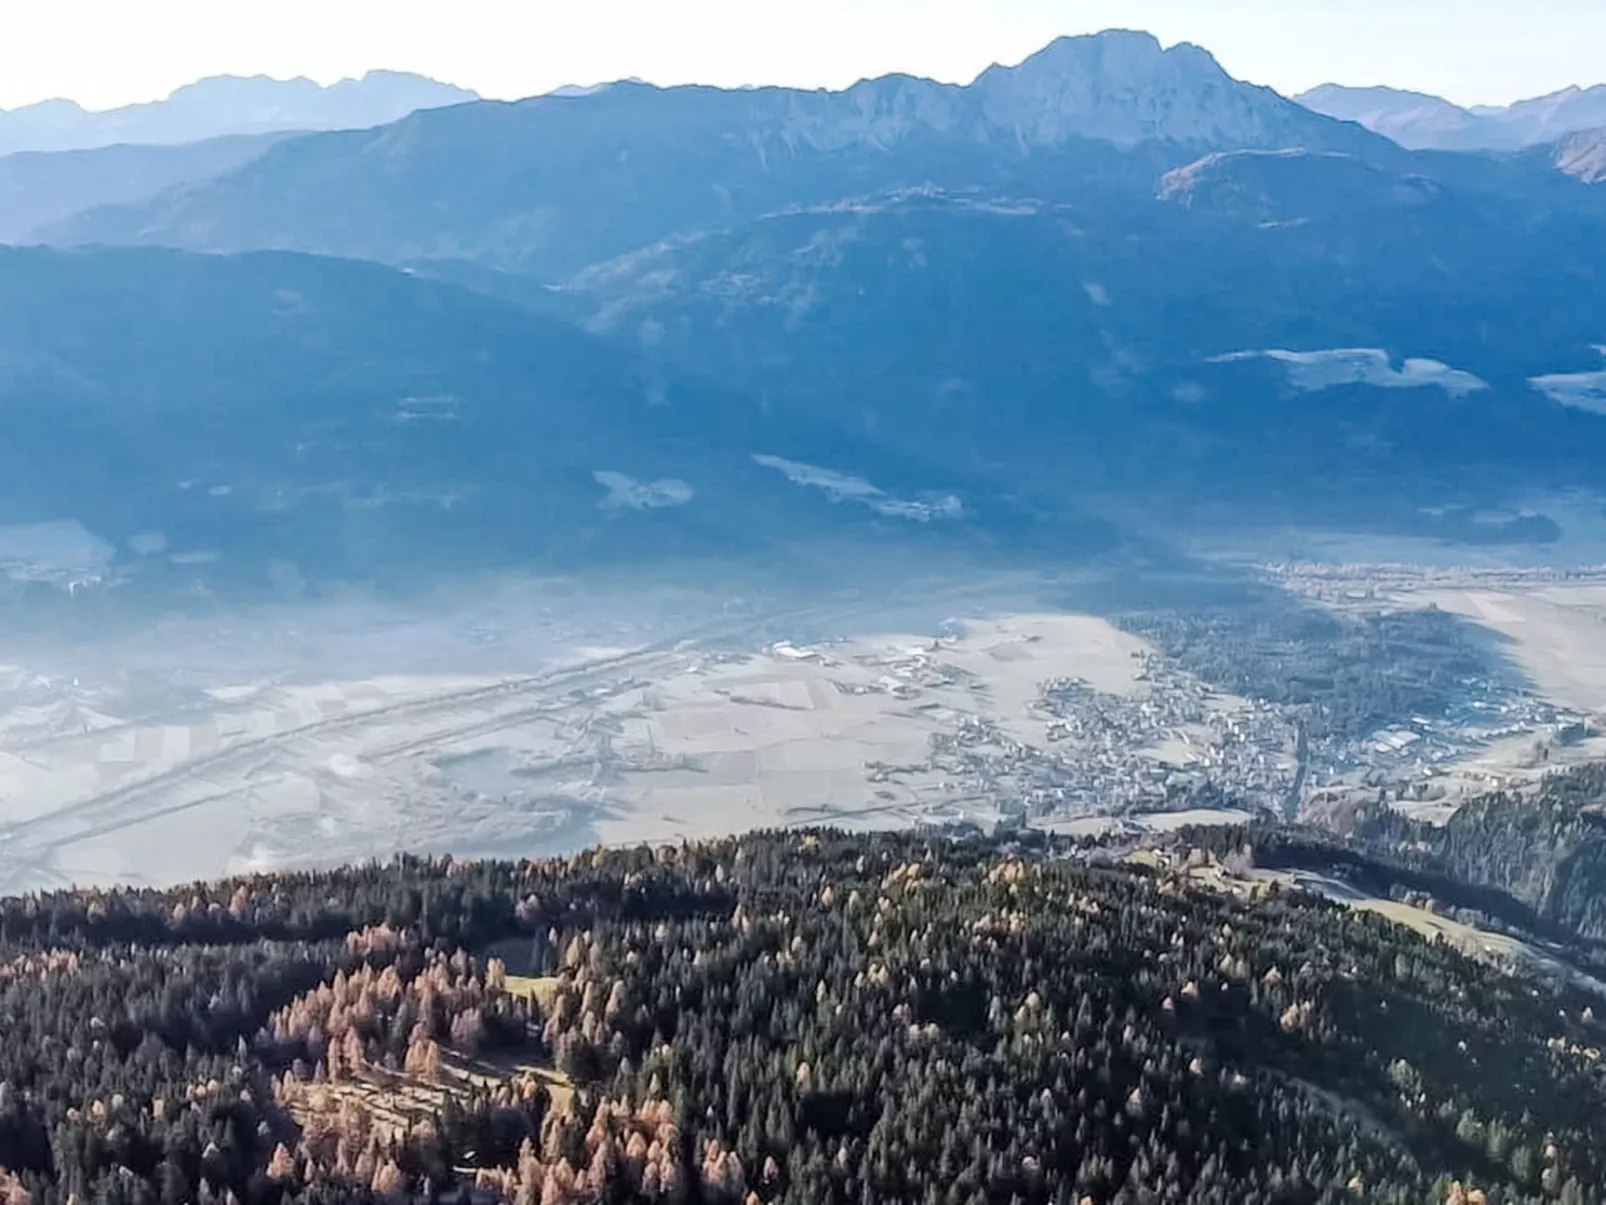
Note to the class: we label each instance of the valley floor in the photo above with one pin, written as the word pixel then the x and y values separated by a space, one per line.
pixel 538 718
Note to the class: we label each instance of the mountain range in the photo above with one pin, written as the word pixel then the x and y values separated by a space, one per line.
pixel 224 105
pixel 58 159
pixel 1108 290
pixel 549 185
pixel 1423 122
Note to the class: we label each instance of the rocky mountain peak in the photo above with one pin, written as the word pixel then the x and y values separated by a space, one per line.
pixel 1122 86
pixel 1584 156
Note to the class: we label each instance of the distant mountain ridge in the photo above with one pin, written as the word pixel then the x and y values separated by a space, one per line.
pixel 1422 122
pixel 548 185
pixel 227 105
pixel 1122 87
pixel 38 188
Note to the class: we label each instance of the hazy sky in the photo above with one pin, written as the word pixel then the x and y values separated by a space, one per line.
pixel 110 52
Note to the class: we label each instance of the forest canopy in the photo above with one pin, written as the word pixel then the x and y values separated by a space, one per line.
pixel 783 1017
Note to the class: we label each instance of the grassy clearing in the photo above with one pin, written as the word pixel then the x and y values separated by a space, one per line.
pixel 399 1101
pixel 1475 942
pixel 539 991
pixel 488 1073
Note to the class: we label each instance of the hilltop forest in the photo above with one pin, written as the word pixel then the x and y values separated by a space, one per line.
pixel 781 1017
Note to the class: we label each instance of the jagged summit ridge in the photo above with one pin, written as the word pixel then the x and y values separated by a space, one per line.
pixel 1124 87
pixel 1119 86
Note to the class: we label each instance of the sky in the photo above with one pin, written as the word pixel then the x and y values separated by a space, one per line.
pixel 104 53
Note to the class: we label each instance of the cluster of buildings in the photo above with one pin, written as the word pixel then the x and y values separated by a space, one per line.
pixel 1409 755
pixel 1172 743
pixel 1175 745
pixel 1352 584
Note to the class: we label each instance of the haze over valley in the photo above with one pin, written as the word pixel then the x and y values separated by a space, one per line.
pixel 1006 640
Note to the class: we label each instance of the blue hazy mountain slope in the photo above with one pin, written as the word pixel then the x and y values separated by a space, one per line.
pixel 38 188
pixel 1422 122
pixel 352 421
pixel 546 186
pixel 1413 119
pixel 224 105
pixel 1321 339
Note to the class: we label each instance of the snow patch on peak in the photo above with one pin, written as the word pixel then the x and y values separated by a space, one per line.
pixel 626 493
pixel 1312 371
pixel 843 487
pixel 1580 390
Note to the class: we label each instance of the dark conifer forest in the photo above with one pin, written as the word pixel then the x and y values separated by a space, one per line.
pixel 782 1017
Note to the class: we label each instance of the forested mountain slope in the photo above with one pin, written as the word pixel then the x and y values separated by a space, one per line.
pixel 1533 861
pixel 1546 848
pixel 1310 337
pixel 988 368
pixel 1109 280
pixel 797 1017
pixel 349 419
